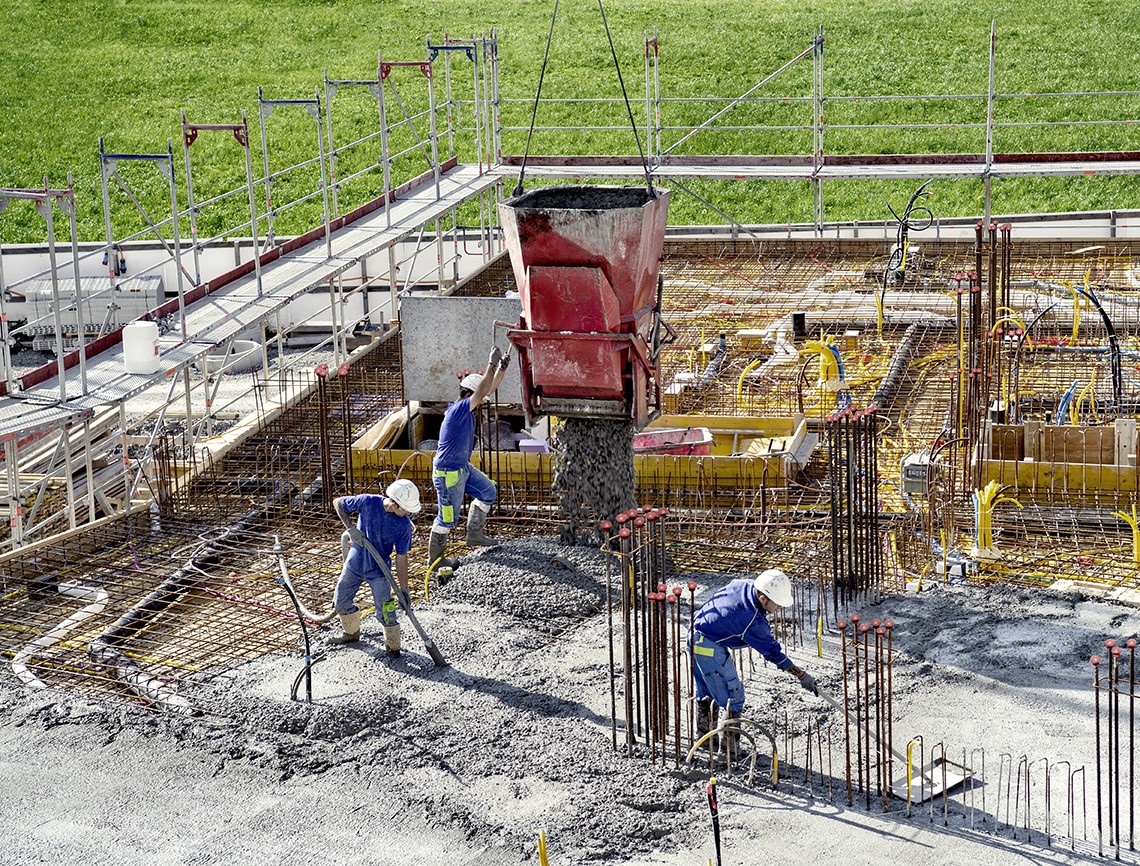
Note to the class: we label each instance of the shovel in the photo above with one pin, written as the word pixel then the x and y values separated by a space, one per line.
pixel 360 538
pixel 905 786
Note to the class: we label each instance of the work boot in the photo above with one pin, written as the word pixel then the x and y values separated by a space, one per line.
pixel 437 547
pixel 392 639
pixel 704 717
pixel 350 622
pixel 476 520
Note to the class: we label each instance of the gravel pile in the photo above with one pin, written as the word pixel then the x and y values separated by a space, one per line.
pixel 535 579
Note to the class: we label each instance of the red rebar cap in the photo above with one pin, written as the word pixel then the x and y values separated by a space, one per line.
pixel 623 533
pixel 605 526
pixel 841 625
pixel 661 587
pixel 672 599
pixel 1095 660
pixel 890 623
pixel 322 369
pixel 621 518
pixel 855 619
pixel 880 631
pixel 639 522
pixel 1131 643
pixel 342 370
pixel 692 585
pixel 876 622
pixel 664 511
pixel 677 591
pixel 647 506
pixel 1116 652
pixel 864 628
pixel 1110 643
pixel 651 516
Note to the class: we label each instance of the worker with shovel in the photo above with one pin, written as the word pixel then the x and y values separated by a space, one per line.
pixel 386 522
pixel 736 616
pixel 452 471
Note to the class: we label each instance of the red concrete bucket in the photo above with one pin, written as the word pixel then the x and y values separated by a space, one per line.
pixel 586 260
pixel 578 231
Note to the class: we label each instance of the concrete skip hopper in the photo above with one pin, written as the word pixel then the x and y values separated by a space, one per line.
pixel 587 262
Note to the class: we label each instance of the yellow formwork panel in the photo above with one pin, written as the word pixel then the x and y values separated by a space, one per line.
pixel 725 479
pixel 1057 478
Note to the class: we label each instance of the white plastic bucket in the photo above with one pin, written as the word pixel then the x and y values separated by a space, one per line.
pixel 140 347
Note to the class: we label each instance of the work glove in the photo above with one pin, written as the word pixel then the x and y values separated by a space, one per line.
pixel 506 362
pixel 494 360
pixel 807 681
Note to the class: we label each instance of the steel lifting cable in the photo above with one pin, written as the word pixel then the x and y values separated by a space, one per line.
pixel 518 190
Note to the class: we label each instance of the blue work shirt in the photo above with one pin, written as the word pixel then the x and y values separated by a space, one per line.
pixel 456 436
pixel 385 530
pixel 733 619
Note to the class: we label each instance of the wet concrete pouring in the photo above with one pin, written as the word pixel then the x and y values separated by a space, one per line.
pixel 397 761
pixel 593 474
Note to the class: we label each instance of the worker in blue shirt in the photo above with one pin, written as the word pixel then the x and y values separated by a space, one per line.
pixel 452 471
pixel 736 616
pixel 386 522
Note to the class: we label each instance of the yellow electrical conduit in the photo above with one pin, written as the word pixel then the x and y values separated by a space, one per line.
pixel 740 383
pixel 988 498
pixel 1132 521
pixel 1075 408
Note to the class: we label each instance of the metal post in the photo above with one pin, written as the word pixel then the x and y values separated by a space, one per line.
pixel 330 91
pixel 89 469
pixel 243 140
pixel 187 138
pixel 495 100
pixel 433 133
pixel 126 507
pixel 324 177
pixel 447 95
pixel 990 126
pixel 16 518
pixel 174 217
pixel 263 112
pixel 44 206
pixel 5 348
pixel 80 321
pixel 385 158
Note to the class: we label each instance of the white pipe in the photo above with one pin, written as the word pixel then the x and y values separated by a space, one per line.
pixel 98 600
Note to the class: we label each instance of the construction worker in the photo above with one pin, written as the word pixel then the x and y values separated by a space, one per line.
pixel 736 616
pixel 386 523
pixel 452 471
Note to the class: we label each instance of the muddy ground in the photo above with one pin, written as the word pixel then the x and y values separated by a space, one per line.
pixel 397 761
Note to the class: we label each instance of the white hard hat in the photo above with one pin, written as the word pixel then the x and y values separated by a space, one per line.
pixel 405 494
pixel 776 585
pixel 470 382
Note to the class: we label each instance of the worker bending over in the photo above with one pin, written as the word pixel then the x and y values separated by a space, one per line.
pixel 736 616
pixel 386 522
pixel 452 471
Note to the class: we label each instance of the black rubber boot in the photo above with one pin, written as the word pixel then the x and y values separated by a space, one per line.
pixel 437 547
pixel 476 520
pixel 704 717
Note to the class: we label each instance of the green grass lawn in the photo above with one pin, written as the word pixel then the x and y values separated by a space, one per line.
pixel 123 70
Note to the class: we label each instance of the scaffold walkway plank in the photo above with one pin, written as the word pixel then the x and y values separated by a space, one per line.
pixel 236 305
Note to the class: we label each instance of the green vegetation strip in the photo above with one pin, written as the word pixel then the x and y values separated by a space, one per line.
pixel 125 69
